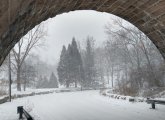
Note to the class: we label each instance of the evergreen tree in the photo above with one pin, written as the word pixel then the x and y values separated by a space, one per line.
pixel 70 69
pixel 45 82
pixel 61 70
pixel 69 65
pixel 40 82
pixel 53 83
pixel 77 68
pixel 89 65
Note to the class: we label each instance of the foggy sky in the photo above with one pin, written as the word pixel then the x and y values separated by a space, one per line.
pixel 78 24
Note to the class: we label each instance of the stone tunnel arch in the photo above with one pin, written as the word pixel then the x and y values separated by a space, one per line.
pixel 17 17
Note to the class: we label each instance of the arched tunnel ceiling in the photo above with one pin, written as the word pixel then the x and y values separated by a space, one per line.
pixel 17 17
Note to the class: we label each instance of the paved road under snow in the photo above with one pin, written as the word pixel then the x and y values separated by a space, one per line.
pixel 87 105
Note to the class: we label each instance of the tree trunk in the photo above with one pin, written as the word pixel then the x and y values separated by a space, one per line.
pixel 24 85
pixel 154 80
pixel 118 80
pixel 108 76
pixel 112 75
pixel 75 84
pixel 18 79
pixel 67 84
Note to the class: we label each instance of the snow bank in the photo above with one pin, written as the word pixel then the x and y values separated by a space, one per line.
pixel 33 92
pixel 116 96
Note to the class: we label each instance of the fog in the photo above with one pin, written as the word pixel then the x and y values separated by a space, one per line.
pixel 79 24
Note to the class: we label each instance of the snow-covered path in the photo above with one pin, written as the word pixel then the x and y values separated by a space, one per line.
pixel 87 105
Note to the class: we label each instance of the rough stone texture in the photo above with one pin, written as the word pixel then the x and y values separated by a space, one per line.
pixel 17 17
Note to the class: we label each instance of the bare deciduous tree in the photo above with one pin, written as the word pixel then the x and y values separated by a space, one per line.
pixel 137 57
pixel 34 38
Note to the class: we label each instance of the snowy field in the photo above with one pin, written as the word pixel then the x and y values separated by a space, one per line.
pixel 86 105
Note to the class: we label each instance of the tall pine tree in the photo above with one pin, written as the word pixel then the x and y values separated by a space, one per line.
pixel 53 83
pixel 77 67
pixel 70 69
pixel 89 64
pixel 69 66
pixel 61 70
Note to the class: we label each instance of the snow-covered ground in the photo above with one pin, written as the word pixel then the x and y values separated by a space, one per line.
pixel 86 105
pixel 28 91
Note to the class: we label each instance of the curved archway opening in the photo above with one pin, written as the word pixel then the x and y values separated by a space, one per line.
pixel 105 32
pixel 131 74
